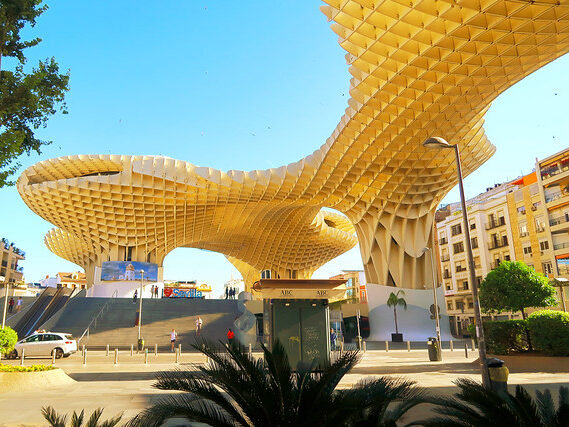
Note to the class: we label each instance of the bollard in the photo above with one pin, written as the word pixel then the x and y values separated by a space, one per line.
pixel 155 349
pixel 177 356
pixel 146 356
pixel 250 351
pixel 180 349
pixel 83 350
pixel 53 357
pixel 473 346
pixel 408 345
pixel 107 349
pixel 466 350
pixel 341 347
pixel 116 356
pixel 132 349
pixel 386 346
pixel 23 357
pixel 451 346
pixel 84 355
pixel 364 347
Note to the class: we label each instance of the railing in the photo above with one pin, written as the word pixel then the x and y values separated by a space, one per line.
pixel 558 220
pixel 445 258
pixel 455 232
pixel 524 233
pixel 93 322
pixel 561 246
pixel 556 196
pixel 498 244
pixel 494 224
pixel 443 241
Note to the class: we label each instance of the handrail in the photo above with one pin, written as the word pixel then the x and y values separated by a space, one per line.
pixel 99 314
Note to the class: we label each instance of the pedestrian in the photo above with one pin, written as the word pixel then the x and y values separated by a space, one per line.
pixel 333 338
pixel 227 293
pixel 135 296
pixel 231 293
pixel 230 337
pixel 19 304
pixel 152 291
pixel 199 324
pixel 173 336
pixel 11 305
pixel 156 291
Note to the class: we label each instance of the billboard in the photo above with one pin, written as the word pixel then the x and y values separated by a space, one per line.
pixel 181 293
pixel 128 270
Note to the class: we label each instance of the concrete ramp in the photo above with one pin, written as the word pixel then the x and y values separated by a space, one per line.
pixel 116 326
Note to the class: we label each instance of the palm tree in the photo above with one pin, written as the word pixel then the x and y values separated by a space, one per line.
pixel 237 390
pixel 56 420
pixel 393 301
pixel 475 406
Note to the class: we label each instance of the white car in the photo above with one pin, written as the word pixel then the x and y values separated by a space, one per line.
pixel 46 344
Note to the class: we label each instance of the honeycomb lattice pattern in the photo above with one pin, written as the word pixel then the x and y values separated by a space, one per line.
pixel 420 68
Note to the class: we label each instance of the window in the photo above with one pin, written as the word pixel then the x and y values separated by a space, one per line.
pixel 458 248
pixel 539 224
pixel 460 267
pixel 535 205
pixel 473 226
pixel 523 229
pixel 446 274
pixel 547 268
pixel 506 257
pixel 449 305
pixel 527 250
pixel 349 283
pixel 522 210
pixel 266 274
pixel 128 253
pixel 465 285
pixel 474 242
pixel 544 245
pixel 456 229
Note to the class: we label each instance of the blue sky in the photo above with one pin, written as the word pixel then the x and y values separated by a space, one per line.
pixel 230 85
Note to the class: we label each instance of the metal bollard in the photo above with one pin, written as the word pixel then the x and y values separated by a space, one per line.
pixel 107 350
pixel 250 351
pixel 177 356
pixel 364 346
pixel 341 347
pixel 466 350
pixel 53 358
pixel 146 356
pixel 132 349
pixel 473 344
pixel 116 356
pixel 180 348
pixel 451 346
pixel 83 350
pixel 408 345
pixel 386 346
pixel 155 349
pixel 84 356
pixel 23 357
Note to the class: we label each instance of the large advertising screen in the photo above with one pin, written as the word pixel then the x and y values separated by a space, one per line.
pixel 128 270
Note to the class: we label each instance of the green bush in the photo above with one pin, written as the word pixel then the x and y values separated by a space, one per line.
pixel 33 368
pixel 503 336
pixel 8 339
pixel 549 330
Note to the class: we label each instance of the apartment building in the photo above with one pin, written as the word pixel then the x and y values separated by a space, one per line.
pixel 523 220
pixel 10 255
pixel 355 285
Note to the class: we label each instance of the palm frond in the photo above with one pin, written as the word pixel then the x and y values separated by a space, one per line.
pixel 94 418
pixel 77 419
pixel 52 417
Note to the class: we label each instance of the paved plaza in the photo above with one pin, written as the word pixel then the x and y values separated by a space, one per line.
pixel 127 387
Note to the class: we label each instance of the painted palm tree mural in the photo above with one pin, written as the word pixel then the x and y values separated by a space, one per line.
pixel 395 299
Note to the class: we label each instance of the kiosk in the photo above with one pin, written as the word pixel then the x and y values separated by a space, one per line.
pixel 296 313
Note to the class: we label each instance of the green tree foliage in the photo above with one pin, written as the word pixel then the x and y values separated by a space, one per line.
pixel 549 330
pixel 8 339
pixel 513 286
pixel 503 336
pixel 237 390
pixel 78 420
pixel 27 100
pixel 393 301
pixel 474 406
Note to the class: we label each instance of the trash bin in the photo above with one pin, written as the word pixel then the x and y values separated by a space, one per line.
pixel 434 349
pixel 498 374
pixel 140 345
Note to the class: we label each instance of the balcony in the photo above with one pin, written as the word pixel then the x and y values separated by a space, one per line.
pixel 540 228
pixel 498 244
pixel 524 233
pixel 560 246
pixel 445 258
pixel 443 241
pixel 557 198
pixel 494 224
pixel 447 275
pixel 460 268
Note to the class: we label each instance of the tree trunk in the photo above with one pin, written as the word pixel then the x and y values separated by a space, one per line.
pixel 530 347
pixel 395 315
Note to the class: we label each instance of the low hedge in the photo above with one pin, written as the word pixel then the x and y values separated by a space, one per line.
pixel 33 368
pixel 503 336
pixel 8 339
pixel 549 331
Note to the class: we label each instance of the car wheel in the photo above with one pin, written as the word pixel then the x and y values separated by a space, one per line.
pixel 58 353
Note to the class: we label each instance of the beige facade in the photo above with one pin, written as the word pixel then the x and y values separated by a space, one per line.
pixel 10 255
pixel 419 69
pixel 523 220
pixel 355 285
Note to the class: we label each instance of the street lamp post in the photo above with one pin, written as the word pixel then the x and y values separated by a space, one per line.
pixel 437 142
pixel 436 314
pixel 7 287
pixel 140 308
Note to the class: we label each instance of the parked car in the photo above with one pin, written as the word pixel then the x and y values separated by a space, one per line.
pixel 46 344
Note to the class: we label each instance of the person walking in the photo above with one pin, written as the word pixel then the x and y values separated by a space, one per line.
pixel 226 293
pixel 199 324
pixel 230 337
pixel 135 296
pixel 156 291
pixel 333 339
pixel 173 337
pixel 19 304
pixel 11 305
pixel 152 291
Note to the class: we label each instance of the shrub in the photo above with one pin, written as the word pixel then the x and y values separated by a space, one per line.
pixel 8 339
pixel 503 336
pixel 549 331
pixel 33 368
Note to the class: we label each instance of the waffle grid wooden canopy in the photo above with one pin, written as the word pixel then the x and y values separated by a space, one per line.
pixel 420 68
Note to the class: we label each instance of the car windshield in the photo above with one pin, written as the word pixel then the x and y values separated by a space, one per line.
pixel 69 336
